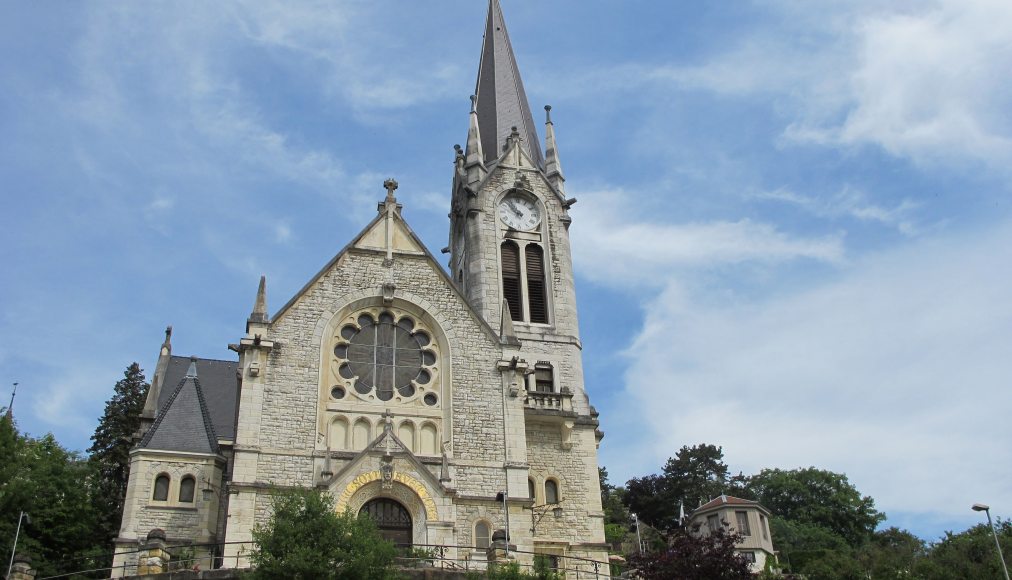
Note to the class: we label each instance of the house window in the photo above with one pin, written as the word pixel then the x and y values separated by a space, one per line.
pixel 551 491
pixel 749 557
pixel 536 298
pixel 743 528
pixel 186 487
pixel 762 524
pixel 530 488
pixel 161 488
pixel 543 379
pixel 713 522
pixel 511 288
pixel 481 535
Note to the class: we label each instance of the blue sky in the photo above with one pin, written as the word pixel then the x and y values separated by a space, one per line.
pixel 793 234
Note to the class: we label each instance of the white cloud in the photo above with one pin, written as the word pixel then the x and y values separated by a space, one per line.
pixel 894 373
pixel 851 202
pixel 928 85
pixel 644 251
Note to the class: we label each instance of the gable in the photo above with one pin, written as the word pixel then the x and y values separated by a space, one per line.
pixel 373 240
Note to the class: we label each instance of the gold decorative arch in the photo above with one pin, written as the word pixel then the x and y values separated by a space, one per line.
pixel 402 478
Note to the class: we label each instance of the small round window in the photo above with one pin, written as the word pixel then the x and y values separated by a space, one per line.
pixel 385 356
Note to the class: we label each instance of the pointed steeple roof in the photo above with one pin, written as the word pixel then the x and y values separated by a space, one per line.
pixel 502 102
pixel 184 423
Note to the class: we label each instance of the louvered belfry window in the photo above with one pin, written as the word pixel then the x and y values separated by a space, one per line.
pixel 511 279
pixel 536 283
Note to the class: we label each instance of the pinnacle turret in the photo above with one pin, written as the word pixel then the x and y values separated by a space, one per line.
pixel 553 166
pixel 259 313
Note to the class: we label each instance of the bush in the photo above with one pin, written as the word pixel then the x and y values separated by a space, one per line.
pixel 306 539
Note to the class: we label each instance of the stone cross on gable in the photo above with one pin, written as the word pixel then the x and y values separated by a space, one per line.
pixel 391 186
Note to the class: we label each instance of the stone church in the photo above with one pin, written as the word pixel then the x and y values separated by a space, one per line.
pixel 447 403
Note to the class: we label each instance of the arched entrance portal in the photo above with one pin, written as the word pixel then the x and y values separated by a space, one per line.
pixel 393 521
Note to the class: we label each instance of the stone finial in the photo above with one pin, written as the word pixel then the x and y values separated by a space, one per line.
pixel 391 186
pixel 191 373
pixel 168 336
pixel 474 103
pixel 548 113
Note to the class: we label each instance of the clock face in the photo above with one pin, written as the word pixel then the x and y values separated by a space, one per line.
pixel 519 213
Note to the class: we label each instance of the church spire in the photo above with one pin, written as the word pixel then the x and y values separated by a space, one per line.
pixel 502 102
pixel 553 167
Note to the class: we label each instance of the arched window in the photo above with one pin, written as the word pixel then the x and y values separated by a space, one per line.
pixel 482 535
pixel 551 491
pixel 511 279
pixel 186 487
pixel 161 488
pixel 530 488
pixel 536 299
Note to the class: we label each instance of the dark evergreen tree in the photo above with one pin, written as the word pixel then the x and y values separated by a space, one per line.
pixel 110 449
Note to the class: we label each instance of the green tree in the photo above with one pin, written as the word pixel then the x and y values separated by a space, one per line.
pixel 693 556
pixel 892 553
pixel 52 485
pixel 616 515
pixel 694 475
pixel 305 538
pixel 111 444
pixel 818 497
pixel 968 554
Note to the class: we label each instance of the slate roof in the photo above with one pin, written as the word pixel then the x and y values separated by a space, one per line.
pixel 502 103
pixel 219 387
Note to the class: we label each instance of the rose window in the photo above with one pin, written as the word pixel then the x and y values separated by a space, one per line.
pixel 382 356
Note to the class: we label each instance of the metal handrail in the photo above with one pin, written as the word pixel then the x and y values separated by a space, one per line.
pixel 580 566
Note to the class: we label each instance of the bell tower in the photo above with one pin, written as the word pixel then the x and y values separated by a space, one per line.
pixel 509 220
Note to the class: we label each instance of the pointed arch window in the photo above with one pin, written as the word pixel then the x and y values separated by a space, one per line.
pixel 511 286
pixel 536 298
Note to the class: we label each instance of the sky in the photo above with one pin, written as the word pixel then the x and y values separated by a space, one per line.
pixel 793 237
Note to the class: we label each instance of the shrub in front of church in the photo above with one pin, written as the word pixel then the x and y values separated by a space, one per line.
pixel 305 538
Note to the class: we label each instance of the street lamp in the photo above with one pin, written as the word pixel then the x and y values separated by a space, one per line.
pixel 979 507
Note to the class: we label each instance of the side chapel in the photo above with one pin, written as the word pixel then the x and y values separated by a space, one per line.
pixel 408 392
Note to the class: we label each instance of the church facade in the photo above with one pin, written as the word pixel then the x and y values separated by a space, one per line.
pixel 447 403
